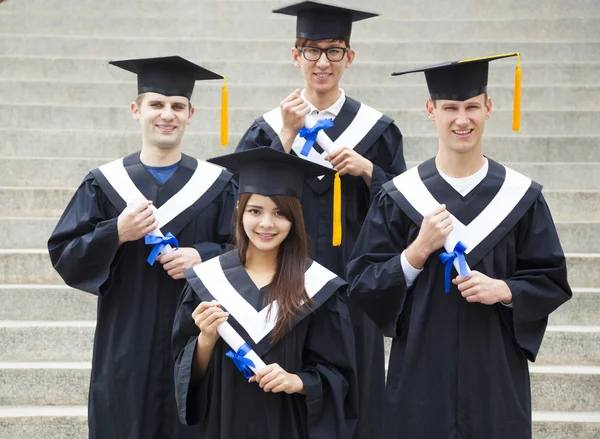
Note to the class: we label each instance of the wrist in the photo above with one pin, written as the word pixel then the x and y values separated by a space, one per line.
pixel 368 169
pixel 507 295
pixel 299 384
pixel 416 255
pixel 207 341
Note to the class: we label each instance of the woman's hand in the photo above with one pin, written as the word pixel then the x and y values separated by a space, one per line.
pixel 275 379
pixel 208 316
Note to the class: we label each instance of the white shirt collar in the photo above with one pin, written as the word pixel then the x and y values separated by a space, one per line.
pixel 332 111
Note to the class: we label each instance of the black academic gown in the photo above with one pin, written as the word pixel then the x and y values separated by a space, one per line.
pixel 131 390
pixel 458 370
pixel 383 147
pixel 319 348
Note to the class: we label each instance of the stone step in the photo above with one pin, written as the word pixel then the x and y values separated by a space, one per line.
pixel 110 144
pixel 259 10
pixel 263 95
pixel 69 172
pixel 265 49
pixel 33 233
pixel 554 388
pixel 207 119
pixel 49 422
pixel 280 27
pixel 60 303
pixel 583 269
pixel 72 341
pixel 282 72
pixel 70 422
pixel 38 202
pixel 56 303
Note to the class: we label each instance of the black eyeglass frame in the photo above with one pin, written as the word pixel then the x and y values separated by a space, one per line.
pixel 343 49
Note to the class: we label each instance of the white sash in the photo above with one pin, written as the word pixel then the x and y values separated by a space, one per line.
pixel 514 187
pixel 256 323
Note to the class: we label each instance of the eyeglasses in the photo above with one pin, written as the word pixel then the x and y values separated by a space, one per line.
pixel 333 54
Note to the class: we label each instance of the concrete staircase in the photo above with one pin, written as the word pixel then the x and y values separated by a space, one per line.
pixel 63 111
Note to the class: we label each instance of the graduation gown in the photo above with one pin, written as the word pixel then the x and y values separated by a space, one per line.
pixel 459 369
pixel 375 137
pixel 131 390
pixel 319 348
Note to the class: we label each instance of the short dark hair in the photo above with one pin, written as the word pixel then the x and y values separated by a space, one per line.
pixel 485 96
pixel 303 42
pixel 140 99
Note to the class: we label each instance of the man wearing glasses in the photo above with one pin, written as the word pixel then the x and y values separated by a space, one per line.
pixel 366 152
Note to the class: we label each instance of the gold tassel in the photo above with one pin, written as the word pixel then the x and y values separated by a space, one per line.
pixel 336 240
pixel 224 114
pixel 516 126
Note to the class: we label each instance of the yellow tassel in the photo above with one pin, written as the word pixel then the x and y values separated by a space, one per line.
pixel 336 240
pixel 224 114
pixel 516 126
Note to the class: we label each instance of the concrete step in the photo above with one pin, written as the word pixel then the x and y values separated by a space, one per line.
pixel 242 95
pixel 565 388
pixel 110 144
pixel 51 302
pixel 72 341
pixel 554 388
pixel 46 340
pixel 566 425
pixel 280 27
pixel 207 119
pixel 259 10
pixel 265 49
pixel 282 71
pixel 60 422
pixel 39 202
pixel 69 172
pixel 33 233
pixel 49 422
pixel 27 267
pixel 583 269
pixel 582 309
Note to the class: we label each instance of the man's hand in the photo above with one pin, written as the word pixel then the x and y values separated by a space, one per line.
pixel 483 289
pixel 179 260
pixel 293 110
pixel 348 161
pixel 275 379
pixel 436 226
pixel 135 222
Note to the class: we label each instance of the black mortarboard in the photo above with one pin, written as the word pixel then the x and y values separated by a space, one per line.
pixel 462 80
pixel 267 172
pixel 317 21
pixel 169 76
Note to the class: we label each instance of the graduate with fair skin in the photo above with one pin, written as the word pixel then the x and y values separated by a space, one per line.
pixel 289 310
pixel 113 231
pixel 465 287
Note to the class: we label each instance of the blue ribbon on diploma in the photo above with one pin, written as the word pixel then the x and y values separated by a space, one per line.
pixel 241 362
pixel 310 134
pixel 448 259
pixel 159 243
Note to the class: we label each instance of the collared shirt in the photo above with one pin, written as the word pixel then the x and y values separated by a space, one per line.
pixel 330 112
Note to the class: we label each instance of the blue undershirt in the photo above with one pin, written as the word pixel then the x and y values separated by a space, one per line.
pixel 163 173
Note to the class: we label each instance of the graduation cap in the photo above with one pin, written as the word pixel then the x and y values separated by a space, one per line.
pixel 267 172
pixel 462 80
pixel 174 76
pixel 317 21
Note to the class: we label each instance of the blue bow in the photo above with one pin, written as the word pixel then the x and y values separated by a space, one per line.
pixel 448 259
pixel 310 134
pixel 159 243
pixel 241 362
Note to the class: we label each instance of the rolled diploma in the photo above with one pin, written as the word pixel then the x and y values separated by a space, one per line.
pixel 450 248
pixel 322 139
pixel 155 232
pixel 233 339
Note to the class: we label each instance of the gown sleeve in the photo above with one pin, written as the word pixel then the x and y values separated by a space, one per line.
pixel 539 284
pixel 375 272
pixel 388 161
pixel 256 137
pixel 223 225
pixel 192 401
pixel 329 372
pixel 84 246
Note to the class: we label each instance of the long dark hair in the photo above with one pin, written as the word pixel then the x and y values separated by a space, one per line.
pixel 287 286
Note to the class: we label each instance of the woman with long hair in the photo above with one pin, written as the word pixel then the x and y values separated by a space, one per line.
pixel 287 308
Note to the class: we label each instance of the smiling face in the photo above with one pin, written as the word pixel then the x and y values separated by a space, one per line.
pixel 322 76
pixel 163 119
pixel 460 124
pixel 264 224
